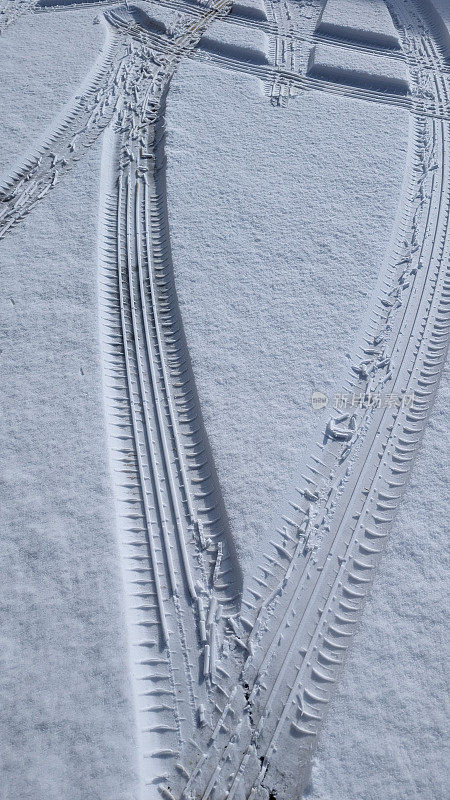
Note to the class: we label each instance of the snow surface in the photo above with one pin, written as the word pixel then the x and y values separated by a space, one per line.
pixel 358 69
pixel 273 281
pixel 67 726
pixel 158 18
pixel 439 11
pixel 247 44
pixel 365 20
pixel 387 729
pixel 236 237
pixel 67 722
pixel 32 90
pixel 252 9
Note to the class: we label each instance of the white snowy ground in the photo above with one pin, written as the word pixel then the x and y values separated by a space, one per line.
pixel 359 69
pixel 387 729
pixel 439 11
pixel 279 222
pixel 367 20
pixel 290 276
pixel 43 59
pixel 277 241
pixel 66 721
pixel 229 40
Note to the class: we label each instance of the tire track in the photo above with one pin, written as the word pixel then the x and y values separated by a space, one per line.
pixel 75 130
pixel 285 79
pixel 182 532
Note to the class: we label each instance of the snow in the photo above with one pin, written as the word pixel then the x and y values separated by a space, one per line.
pixel 439 12
pixel 280 218
pixel 363 20
pixel 32 89
pixel 251 9
pixel 272 281
pixel 157 18
pixel 253 325
pixel 387 728
pixel 67 725
pixel 358 69
pixel 236 42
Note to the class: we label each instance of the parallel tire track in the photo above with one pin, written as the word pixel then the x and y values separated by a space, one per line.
pixel 180 552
